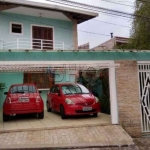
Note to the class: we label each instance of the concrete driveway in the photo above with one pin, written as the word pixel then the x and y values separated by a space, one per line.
pixel 51 120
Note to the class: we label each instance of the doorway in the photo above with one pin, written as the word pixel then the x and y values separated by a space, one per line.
pixel 42 38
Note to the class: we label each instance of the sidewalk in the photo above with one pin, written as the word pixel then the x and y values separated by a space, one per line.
pixel 89 136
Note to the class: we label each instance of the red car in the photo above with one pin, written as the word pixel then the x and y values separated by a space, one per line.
pixel 23 99
pixel 72 99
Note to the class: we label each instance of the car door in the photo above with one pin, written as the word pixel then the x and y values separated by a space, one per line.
pixel 53 98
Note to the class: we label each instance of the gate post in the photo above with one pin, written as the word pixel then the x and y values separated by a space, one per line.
pixel 113 95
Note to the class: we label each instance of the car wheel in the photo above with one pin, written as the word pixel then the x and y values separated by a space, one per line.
pixel 95 115
pixel 48 107
pixel 41 115
pixel 62 112
pixel 5 117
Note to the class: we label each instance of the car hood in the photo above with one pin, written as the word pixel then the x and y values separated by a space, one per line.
pixel 81 98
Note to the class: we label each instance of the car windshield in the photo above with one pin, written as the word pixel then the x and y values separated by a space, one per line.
pixel 23 89
pixel 74 89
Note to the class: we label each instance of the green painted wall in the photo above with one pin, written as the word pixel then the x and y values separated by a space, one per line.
pixel 44 97
pixel 8 79
pixel 62 28
pixel 70 56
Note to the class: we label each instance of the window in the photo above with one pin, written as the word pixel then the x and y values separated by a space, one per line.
pixel 16 28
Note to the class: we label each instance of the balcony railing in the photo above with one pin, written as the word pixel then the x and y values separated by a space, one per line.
pixel 31 44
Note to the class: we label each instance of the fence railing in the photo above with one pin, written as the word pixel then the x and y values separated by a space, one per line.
pixel 30 44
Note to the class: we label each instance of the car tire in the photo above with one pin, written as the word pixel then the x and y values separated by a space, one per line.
pixel 48 108
pixel 62 112
pixel 41 115
pixel 95 115
pixel 5 117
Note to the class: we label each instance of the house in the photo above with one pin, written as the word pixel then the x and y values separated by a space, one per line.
pixel 39 45
pixel 33 26
pixel 113 43
pixel 84 46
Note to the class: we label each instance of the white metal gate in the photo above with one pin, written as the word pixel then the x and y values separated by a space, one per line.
pixel 144 88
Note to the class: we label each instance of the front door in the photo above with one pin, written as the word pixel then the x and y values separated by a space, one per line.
pixel 42 38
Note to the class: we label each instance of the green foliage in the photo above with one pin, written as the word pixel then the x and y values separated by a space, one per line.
pixel 105 99
pixel 105 104
pixel 140 33
pixel 2 86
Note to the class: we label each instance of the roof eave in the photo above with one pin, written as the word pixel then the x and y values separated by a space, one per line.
pixel 84 15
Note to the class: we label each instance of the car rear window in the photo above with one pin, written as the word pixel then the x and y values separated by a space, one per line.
pixel 23 89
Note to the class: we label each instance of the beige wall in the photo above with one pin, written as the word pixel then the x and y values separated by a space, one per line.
pixel 75 34
pixel 75 31
pixel 128 97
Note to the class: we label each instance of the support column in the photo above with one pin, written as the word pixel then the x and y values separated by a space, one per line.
pixel 75 31
pixel 113 96
pixel 75 35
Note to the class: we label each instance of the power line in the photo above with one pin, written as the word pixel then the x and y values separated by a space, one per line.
pixel 117 3
pixel 110 23
pixel 54 25
pixel 124 1
pixel 93 8
pixel 98 9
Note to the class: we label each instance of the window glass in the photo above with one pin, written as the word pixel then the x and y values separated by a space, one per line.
pixel 16 28
pixel 56 90
pixel 23 89
pixel 74 89
pixel 52 89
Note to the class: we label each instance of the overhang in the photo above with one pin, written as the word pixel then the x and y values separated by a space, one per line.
pixel 78 14
pixel 60 66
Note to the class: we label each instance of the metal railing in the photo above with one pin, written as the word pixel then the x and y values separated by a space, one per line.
pixel 31 44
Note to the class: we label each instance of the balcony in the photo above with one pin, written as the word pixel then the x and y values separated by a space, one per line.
pixel 33 44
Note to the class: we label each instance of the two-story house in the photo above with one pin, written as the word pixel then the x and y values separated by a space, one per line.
pixel 29 26
pixel 38 44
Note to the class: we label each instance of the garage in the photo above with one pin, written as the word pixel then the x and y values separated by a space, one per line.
pixel 46 73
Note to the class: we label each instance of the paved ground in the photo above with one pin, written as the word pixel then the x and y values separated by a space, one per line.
pixel 142 143
pixel 51 120
pixel 68 138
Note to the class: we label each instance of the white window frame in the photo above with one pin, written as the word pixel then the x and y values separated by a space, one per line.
pixel 18 24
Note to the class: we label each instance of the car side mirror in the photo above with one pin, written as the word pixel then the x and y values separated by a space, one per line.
pixel 40 91
pixel 5 93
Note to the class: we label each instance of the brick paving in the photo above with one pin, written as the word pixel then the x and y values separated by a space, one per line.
pixel 95 137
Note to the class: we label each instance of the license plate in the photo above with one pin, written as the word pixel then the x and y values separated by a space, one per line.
pixel 23 99
pixel 87 108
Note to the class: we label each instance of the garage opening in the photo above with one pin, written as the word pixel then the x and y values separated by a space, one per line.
pixel 98 77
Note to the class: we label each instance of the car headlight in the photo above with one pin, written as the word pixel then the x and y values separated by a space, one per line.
pixel 96 100
pixel 69 101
